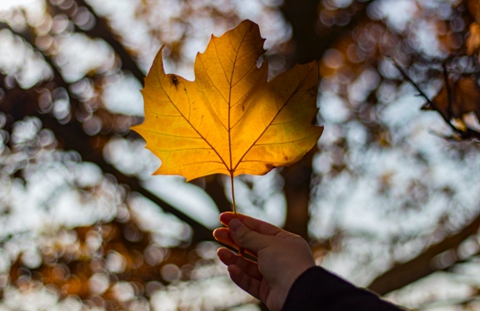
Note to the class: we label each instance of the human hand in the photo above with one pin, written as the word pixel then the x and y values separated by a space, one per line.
pixel 281 257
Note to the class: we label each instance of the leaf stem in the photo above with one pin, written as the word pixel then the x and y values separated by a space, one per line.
pixel 233 195
pixel 241 250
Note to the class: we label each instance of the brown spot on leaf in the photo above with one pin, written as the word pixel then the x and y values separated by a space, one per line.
pixel 174 80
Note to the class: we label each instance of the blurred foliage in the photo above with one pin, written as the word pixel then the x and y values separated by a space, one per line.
pixel 389 198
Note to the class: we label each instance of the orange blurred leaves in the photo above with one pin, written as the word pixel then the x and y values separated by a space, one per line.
pixel 465 98
pixel 473 39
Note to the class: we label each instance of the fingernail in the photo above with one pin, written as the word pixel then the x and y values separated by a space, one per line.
pixel 234 224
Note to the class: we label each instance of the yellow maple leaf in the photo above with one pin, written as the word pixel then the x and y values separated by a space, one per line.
pixel 230 120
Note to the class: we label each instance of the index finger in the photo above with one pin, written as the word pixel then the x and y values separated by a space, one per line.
pixel 252 223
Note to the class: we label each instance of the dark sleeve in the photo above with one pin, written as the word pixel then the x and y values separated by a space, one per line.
pixel 317 289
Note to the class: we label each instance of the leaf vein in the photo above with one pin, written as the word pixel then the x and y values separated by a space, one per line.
pixel 171 135
pixel 214 85
pixel 286 142
pixel 230 107
pixel 267 126
pixel 181 149
pixel 188 121
pixel 210 105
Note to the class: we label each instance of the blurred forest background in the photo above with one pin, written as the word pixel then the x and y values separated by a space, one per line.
pixel 389 199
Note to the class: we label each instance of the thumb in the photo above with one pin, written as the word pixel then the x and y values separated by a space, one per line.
pixel 246 238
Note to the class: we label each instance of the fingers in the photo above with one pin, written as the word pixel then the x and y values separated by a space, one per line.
pixel 248 267
pixel 242 236
pixel 245 282
pixel 243 272
pixel 222 235
pixel 247 238
pixel 252 223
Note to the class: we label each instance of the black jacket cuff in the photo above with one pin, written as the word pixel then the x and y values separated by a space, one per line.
pixel 317 289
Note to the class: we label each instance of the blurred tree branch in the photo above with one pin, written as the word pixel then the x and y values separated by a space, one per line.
pixel 309 45
pixel 421 266
pixel 461 134
pixel 72 136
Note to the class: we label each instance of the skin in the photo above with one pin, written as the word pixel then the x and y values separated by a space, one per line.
pixel 280 256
